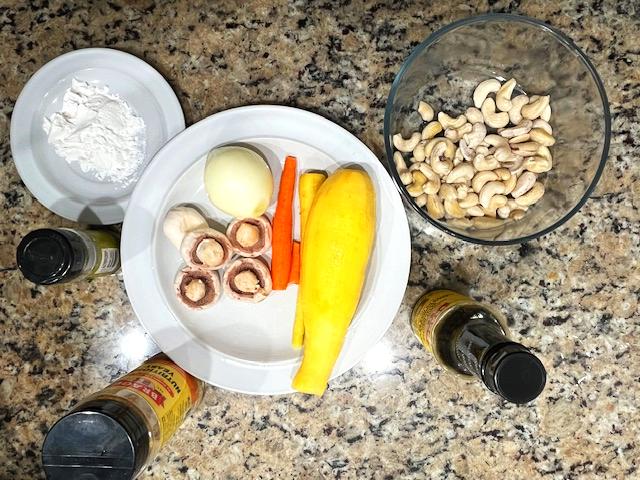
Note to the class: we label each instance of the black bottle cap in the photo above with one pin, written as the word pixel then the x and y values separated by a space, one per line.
pixel 103 441
pixel 45 256
pixel 513 372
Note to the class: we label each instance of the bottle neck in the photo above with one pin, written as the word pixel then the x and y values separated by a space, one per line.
pixel 476 338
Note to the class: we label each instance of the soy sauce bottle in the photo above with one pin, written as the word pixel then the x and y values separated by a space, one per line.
pixel 59 255
pixel 472 339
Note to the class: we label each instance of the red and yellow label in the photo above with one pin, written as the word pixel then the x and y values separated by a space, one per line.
pixel 430 309
pixel 169 390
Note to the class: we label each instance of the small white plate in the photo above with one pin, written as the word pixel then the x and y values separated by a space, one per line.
pixel 239 346
pixel 64 188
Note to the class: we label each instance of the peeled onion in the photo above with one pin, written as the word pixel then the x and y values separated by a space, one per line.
pixel 238 181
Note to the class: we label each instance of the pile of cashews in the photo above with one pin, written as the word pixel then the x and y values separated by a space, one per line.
pixel 473 178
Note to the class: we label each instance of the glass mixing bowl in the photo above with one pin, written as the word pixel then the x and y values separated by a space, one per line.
pixel 444 71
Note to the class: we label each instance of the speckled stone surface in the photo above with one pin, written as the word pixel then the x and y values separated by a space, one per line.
pixel 572 295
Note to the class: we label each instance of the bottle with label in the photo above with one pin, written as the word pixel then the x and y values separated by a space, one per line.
pixel 469 338
pixel 59 255
pixel 114 433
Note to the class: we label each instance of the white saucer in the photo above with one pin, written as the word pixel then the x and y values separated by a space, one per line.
pixel 61 187
pixel 240 346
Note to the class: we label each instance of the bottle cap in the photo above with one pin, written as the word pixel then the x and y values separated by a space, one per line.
pixel 44 256
pixel 102 441
pixel 513 372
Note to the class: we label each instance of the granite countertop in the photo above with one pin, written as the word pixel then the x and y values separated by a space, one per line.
pixel 572 295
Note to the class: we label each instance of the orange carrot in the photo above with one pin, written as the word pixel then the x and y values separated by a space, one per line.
pixel 282 243
pixel 294 276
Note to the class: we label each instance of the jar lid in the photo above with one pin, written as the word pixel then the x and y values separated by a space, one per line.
pixel 44 256
pixel 514 373
pixel 96 445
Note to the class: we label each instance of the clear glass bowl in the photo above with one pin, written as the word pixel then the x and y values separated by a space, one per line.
pixel 444 71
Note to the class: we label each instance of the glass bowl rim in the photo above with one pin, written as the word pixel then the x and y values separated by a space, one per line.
pixel 560 37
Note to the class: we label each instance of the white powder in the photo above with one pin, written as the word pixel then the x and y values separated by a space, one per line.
pixel 99 131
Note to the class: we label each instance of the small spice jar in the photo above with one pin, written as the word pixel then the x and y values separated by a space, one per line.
pixel 114 433
pixel 58 255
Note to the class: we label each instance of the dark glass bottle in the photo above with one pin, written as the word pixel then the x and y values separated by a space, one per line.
pixel 59 255
pixel 469 338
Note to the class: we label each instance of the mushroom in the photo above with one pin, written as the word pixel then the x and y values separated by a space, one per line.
pixel 181 220
pixel 247 280
pixel 196 288
pixel 250 237
pixel 206 248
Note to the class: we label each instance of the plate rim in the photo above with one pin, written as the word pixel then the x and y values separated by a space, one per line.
pixel 24 110
pixel 129 252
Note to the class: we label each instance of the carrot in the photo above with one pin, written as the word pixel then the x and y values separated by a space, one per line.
pixel 282 243
pixel 294 275
pixel 308 186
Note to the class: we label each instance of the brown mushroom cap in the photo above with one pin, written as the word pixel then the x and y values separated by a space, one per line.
pixel 196 288
pixel 247 280
pixel 250 237
pixel 206 248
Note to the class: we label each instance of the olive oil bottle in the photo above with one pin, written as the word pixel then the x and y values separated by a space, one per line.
pixel 472 339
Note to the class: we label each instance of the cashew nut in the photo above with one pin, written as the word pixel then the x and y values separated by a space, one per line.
pixel 475 211
pixel 503 154
pixel 503 212
pixel 488 191
pixel 401 167
pixel 476 135
pixel 491 117
pixel 452 208
pixel 517 214
pixel 482 150
pixel 461 223
pixel 433 179
pixel 406 145
pixel 482 163
pixel 483 89
pixel 465 150
pixel 474 115
pixel 449 122
pixel 543 124
pixel 544 152
pixel 516 106
pixel 439 163
pixel 458 157
pixel 481 178
pixel 502 173
pixel 535 108
pixel 495 203
pixel 509 183
pixel 532 196
pixel 434 207
pixel 452 134
pixel 462 190
pixel 526 149
pixel 462 173
pixel 416 187
pixel 524 184
pixel 542 137
pixel 503 95
pixel 425 111
pixel 418 152
pixel 421 201
pixel 520 139
pixel 511 203
pixel 448 192
pixel 496 140
pixel 450 151
pixel 546 113
pixel 485 223
pixel 537 164
pixel 431 130
pixel 471 200
pixel 520 129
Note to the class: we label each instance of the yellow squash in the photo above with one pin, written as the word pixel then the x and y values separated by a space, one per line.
pixel 307 188
pixel 337 243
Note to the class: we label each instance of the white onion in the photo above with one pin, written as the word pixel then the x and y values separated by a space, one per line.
pixel 238 181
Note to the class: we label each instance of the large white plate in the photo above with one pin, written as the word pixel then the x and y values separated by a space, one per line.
pixel 246 347
pixel 64 188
